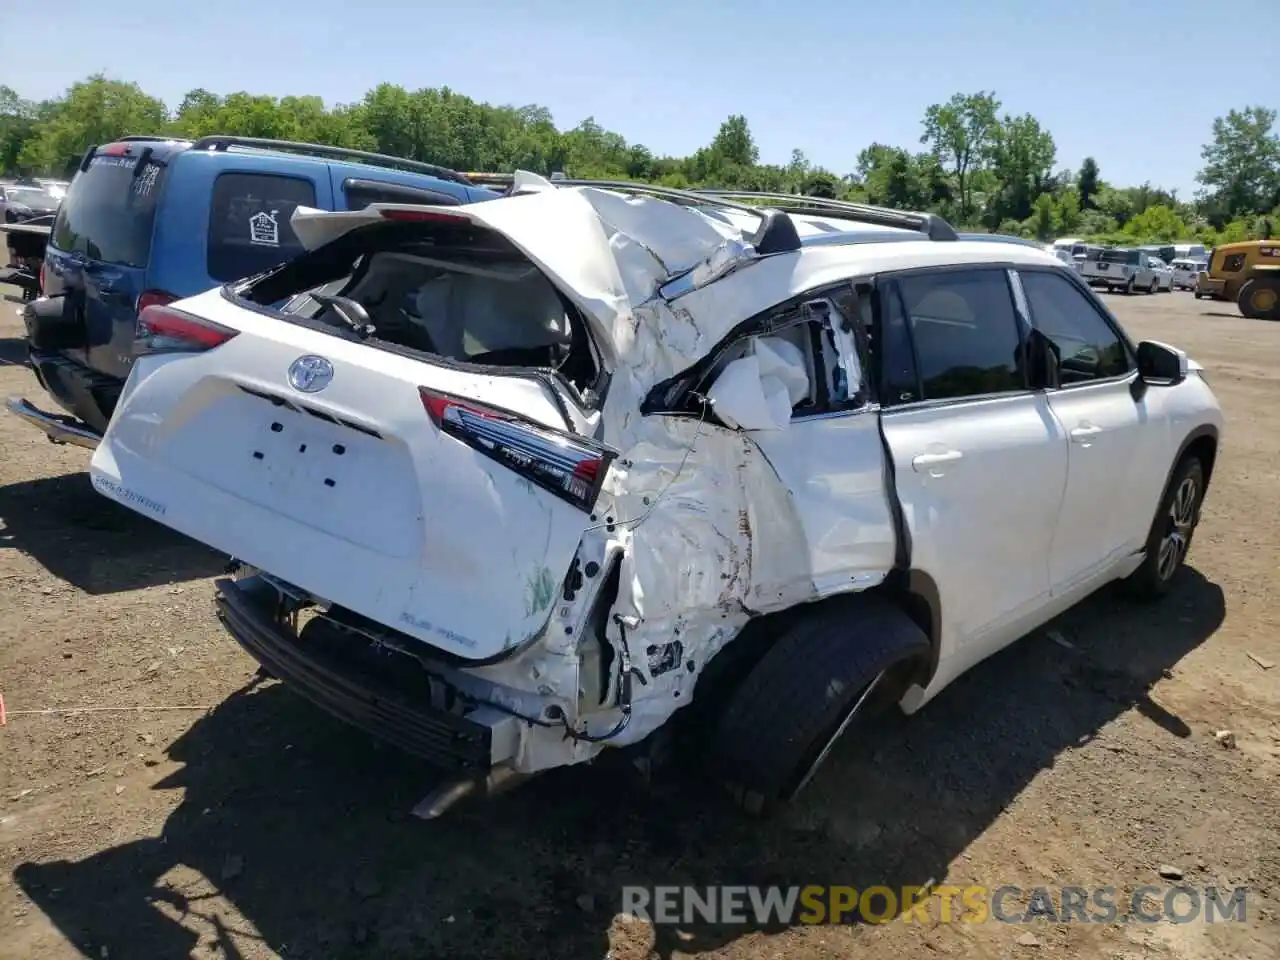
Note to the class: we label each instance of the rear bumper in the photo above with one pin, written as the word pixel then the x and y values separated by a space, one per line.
pixel 58 428
pixel 468 745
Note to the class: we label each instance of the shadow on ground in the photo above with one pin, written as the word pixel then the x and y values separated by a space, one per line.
pixel 13 350
pixel 81 537
pixel 333 867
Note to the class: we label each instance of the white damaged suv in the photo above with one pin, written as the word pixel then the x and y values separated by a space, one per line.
pixel 512 483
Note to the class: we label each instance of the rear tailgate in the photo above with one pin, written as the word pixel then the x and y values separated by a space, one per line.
pixel 350 490
pixel 1108 266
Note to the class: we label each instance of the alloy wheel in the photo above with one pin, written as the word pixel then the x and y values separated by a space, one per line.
pixel 1181 524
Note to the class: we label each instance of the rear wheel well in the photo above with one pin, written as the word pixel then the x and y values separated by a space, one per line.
pixel 914 593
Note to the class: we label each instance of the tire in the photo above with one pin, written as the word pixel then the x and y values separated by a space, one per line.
pixel 1173 528
pixel 1259 299
pixel 1197 294
pixel 801 696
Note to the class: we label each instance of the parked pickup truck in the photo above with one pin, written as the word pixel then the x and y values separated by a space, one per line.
pixel 1120 269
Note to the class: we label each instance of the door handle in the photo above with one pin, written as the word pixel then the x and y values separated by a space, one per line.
pixel 1084 434
pixel 927 462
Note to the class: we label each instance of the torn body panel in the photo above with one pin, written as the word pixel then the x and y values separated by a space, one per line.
pixel 714 526
pixel 706 526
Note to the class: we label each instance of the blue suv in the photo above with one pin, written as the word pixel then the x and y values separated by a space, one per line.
pixel 148 220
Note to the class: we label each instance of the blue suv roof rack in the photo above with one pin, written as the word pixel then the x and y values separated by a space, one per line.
pixel 224 142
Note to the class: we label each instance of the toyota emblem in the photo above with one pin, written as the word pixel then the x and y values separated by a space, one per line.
pixel 310 374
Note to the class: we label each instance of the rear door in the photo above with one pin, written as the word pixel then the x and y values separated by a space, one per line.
pixel 101 245
pixel 979 461
pixel 1118 446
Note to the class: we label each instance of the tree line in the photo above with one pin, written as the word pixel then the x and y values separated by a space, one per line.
pixel 975 164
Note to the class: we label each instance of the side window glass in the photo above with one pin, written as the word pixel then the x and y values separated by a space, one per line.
pixel 361 193
pixel 897 360
pixel 249 222
pixel 966 333
pixel 1086 346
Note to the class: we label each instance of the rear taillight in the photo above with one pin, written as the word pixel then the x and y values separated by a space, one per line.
pixel 153 298
pixel 162 329
pixel 44 282
pixel 571 467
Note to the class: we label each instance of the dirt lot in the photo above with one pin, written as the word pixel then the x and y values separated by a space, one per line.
pixel 231 819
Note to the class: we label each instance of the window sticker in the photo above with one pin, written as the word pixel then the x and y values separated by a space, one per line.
pixel 264 229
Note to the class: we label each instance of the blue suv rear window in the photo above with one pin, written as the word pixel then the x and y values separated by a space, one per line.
pixel 249 222
pixel 110 210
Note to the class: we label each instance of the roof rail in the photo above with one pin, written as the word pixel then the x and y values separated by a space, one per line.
pixel 223 142
pixel 149 136
pixel 674 194
pixel 931 225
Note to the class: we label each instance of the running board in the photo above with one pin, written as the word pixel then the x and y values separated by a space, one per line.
pixel 57 428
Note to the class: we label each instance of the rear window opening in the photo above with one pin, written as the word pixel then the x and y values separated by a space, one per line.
pixel 1118 256
pixel 444 292
pixel 110 211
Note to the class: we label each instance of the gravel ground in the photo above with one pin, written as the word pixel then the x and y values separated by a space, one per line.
pixel 228 818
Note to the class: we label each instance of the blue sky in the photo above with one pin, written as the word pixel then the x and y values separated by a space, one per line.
pixel 1134 83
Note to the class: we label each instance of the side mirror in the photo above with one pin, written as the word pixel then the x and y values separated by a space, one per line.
pixel 1160 365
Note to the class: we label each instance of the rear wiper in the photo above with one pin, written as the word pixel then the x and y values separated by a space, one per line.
pixel 349 312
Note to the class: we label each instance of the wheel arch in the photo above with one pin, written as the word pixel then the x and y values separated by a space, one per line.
pixel 914 592
pixel 1202 443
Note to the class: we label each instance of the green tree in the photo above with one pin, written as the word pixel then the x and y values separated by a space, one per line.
pixel 1068 203
pixel 17 125
pixel 891 177
pixel 734 144
pixel 1044 221
pixel 1022 154
pixel 93 111
pixel 1242 162
pixel 1088 182
pixel 961 133
pixel 1156 224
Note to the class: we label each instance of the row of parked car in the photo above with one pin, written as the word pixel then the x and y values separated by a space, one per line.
pixel 512 470
pixel 1246 273
pixel 1149 269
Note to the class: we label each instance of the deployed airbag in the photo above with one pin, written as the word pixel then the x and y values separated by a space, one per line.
pixel 759 391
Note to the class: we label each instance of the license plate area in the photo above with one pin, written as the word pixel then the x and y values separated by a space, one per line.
pixel 293 454
pixel 353 485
